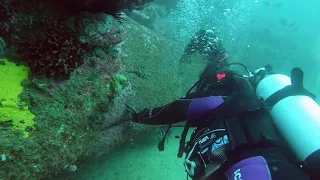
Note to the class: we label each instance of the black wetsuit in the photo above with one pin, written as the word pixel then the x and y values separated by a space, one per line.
pixel 247 157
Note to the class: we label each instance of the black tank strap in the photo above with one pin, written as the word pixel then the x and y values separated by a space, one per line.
pixel 284 93
pixel 295 89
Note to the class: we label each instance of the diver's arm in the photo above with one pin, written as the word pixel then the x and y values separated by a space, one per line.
pixel 194 106
pixel 180 110
pixel 171 113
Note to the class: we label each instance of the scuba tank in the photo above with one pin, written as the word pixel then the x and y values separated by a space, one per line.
pixel 294 112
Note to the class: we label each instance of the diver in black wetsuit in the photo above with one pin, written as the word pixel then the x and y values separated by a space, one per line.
pixel 218 114
pixel 219 106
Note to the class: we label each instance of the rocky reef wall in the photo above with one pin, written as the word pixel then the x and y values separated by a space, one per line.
pixel 63 116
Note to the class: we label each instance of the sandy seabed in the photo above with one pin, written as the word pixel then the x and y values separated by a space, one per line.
pixel 139 161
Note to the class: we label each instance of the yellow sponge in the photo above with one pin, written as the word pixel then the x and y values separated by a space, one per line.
pixel 12 109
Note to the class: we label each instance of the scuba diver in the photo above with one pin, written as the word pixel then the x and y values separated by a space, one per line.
pixel 222 136
pixel 223 107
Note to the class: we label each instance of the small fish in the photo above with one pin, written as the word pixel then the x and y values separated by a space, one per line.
pixel 296 28
pixel 292 24
pixel 283 22
pixel 266 30
pixel 293 47
pixel 266 3
pixel 278 4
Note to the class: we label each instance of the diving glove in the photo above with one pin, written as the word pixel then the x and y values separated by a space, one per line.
pixel 140 117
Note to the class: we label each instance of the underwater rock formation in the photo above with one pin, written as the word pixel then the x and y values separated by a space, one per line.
pixel 2 47
pixel 52 37
pixel 99 30
pixel 85 115
pixel 148 15
pixel 5 15
pixel 111 7
pixel 56 52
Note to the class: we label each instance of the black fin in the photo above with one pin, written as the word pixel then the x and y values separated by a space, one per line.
pixel 183 140
pixel 161 143
pixel 297 78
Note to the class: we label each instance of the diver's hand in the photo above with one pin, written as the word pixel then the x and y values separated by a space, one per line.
pixel 134 117
pixel 133 113
pixel 140 117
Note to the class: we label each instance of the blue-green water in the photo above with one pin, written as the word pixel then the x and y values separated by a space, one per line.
pixel 282 33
